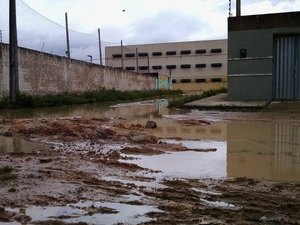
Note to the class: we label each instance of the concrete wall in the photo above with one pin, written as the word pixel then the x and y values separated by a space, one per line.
pixel 251 78
pixel 41 73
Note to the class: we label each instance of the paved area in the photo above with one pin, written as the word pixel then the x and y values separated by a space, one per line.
pixel 221 100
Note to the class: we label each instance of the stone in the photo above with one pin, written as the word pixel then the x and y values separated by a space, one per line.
pixel 151 125
pixel 138 136
pixel 6 133
pixel 45 160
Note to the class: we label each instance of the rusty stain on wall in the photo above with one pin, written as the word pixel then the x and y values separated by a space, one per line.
pixel 42 73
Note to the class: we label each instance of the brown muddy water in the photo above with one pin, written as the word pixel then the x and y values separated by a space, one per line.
pixel 261 146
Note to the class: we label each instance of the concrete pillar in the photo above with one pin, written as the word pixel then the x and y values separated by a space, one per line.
pixel 238 7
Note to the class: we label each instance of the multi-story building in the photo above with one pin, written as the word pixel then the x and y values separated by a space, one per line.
pixel 194 65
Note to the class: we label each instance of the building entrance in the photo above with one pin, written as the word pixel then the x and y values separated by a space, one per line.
pixel 286 68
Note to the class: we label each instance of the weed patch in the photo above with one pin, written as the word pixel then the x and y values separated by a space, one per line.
pixel 179 102
pixel 25 100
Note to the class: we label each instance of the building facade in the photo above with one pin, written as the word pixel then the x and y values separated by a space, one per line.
pixel 191 66
pixel 264 57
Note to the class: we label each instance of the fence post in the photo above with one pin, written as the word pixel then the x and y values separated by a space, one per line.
pixel 100 46
pixel 67 36
pixel 122 55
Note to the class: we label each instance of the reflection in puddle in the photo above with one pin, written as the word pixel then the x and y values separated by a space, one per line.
pixel 206 192
pixel 264 151
pixel 10 223
pixel 16 145
pixel 79 212
pixel 219 204
pixel 39 213
pixel 189 164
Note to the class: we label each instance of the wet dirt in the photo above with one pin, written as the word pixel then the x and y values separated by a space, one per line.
pixel 99 170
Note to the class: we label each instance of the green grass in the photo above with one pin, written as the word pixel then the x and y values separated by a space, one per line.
pixel 179 102
pixel 25 100
pixel 6 173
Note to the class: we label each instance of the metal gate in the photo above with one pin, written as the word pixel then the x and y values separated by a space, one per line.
pixel 287 68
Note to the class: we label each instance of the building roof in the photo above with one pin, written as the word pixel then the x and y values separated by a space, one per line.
pixel 265 21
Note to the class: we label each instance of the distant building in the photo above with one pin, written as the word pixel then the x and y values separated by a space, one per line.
pixel 194 65
pixel 264 57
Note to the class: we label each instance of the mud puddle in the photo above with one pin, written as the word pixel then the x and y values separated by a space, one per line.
pixel 90 212
pixel 17 145
pixel 205 159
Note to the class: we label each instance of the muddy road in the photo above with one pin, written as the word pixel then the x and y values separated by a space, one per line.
pixel 194 168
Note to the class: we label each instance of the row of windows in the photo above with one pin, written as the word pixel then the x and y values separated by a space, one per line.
pixel 183 66
pixel 199 80
pixel 182 52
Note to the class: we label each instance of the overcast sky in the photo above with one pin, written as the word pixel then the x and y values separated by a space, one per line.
pixel 133 21
pixel 147 21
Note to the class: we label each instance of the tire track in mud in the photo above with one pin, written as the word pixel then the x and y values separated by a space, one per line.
pixel 56 174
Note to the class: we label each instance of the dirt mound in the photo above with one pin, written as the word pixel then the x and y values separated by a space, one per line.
pixel 141 151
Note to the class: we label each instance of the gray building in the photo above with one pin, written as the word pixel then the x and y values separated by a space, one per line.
pixel 264 57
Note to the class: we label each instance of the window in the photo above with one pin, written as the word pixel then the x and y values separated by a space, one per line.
pixel 185 52
pixel 200 80
pixel 130 55
pixel 117 55
pixel 216 65
pixel 200 51
pixel 185 66
pixel 174 81
pixel 201 65
pixel 185 80
pixel 130 68
pixel 156 53
pixel 171 52
pixel 119 68
pixel 154 74
pixel 142 54
pixel 157 67
pixel 143 67
pixel 216 50
pixel 216 80
pixel 171 66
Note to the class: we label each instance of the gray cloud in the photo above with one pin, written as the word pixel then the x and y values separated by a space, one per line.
pixel 164 27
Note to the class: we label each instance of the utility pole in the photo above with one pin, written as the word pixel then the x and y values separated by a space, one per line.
pixel 67 36
pixel 148 64
pixel 137 59
pixel 13 53
pixel 0 36
pixel 100 47
pixel 43 46
pixel 122 55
